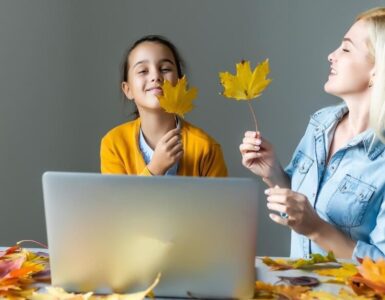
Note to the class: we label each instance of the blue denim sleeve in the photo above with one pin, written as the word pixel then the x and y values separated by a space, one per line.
pixel 376 246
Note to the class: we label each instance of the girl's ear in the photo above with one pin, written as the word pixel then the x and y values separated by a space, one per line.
pixel 127 91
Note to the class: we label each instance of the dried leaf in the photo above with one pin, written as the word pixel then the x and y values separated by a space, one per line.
pixel 374 272
pixel 245 85
pixel 138 295
pixel 177 99
pixel 17 267
pixel 264 290
pixel 371 279
pixel 283 264
pixel 300 280
pixel 341 274
pixel 342 295
pixel 57 293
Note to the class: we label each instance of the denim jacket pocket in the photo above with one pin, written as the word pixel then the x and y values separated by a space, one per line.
pixel 349 202
pixel 301 165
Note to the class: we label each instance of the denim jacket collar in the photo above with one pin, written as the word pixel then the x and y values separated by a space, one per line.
pixel 372 145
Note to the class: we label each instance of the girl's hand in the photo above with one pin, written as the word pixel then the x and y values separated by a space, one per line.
pixel 167 152
pixel 300 215
pixel 259 157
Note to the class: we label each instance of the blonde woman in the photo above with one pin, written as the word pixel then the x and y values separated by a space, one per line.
pixel 331 194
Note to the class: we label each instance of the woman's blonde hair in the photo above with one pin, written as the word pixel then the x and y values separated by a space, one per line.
pixel 375 18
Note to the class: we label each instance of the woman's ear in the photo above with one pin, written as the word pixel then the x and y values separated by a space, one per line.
pixel 372 77
pixel 127 91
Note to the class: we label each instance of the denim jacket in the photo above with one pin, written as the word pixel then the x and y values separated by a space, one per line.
pixel 348 192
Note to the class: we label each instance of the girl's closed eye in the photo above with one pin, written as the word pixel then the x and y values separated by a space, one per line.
pixel 166 69
pixel 142 71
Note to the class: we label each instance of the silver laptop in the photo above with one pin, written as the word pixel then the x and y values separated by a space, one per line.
pixel 115 233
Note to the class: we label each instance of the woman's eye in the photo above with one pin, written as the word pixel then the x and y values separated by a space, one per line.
pixel 142 71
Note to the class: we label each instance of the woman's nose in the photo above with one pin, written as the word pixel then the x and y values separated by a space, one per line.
pixel 331 57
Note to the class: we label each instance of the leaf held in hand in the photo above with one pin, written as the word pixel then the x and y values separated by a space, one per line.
pixel 246 85
pixel 177 99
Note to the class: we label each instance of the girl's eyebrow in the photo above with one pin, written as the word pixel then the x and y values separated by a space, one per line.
pixel 162 60
pixel 167 60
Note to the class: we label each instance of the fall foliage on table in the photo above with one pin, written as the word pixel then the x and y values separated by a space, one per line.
pixel 19 269
pixel 177 99
pixel 367 281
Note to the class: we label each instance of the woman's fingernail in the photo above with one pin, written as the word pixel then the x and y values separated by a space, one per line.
pixel 258 142
pixel 256 147
pixel 267 192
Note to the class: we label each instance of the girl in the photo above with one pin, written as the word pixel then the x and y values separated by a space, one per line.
pixel 331 194
pixel 156 142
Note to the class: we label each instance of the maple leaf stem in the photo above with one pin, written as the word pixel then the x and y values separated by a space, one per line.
pixel 33 242
pixel 253 114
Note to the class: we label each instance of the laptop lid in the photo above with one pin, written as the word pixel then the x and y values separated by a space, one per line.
pixel 115 233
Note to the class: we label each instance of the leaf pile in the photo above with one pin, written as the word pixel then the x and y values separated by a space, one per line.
pixel 19 269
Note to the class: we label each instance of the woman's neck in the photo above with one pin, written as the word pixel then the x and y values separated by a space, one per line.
pixel 357 120
pixel 155 125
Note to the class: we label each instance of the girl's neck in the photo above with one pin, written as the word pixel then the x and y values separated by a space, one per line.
pixel 155 125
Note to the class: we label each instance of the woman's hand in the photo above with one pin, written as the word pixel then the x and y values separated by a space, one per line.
pixel 295 209
pixel 167 152
pixel 259 157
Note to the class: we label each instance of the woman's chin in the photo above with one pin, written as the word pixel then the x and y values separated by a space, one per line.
pixel 328 89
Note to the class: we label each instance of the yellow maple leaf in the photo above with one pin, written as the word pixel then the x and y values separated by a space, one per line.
pixel 246 85
pixel 373 271
pixel 177 99
pixel 264 290
pixel 371 278
pixel 342 295
pixel 341 274
pixel 301 263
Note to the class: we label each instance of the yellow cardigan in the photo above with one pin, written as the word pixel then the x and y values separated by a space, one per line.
pixel 120 154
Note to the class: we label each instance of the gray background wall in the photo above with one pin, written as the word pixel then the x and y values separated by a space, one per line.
pixel 59 83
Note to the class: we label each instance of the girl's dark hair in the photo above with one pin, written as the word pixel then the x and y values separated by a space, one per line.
pixel 153 39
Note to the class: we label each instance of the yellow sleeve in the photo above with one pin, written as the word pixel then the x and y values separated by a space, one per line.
pixel 145 172
pixel 112 160
pixel 110 163
pixel 214 163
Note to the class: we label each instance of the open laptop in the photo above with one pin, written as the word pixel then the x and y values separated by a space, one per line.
pixel 115 233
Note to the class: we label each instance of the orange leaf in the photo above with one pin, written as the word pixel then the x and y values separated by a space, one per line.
pixel 264 290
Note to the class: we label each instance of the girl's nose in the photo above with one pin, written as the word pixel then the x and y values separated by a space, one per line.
pixel 156 76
